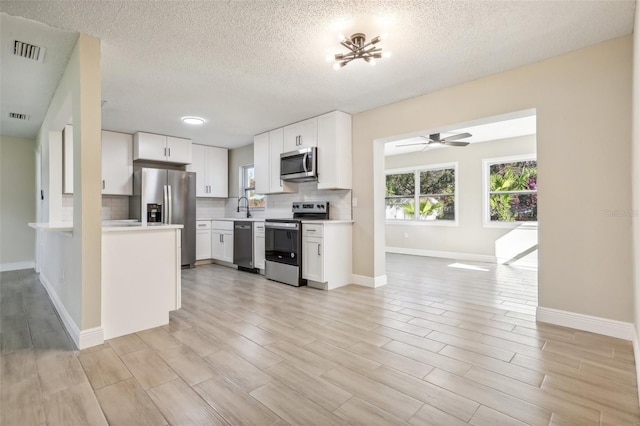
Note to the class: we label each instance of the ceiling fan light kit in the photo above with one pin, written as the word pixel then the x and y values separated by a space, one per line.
pixel 359 49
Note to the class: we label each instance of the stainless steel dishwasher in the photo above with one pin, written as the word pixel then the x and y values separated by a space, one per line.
pixel 243 245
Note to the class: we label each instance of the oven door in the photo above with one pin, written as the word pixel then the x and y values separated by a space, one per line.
pixel 282 242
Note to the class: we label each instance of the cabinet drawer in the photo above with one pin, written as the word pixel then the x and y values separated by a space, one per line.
pixel 312 230
pixel 203 224
pixel 225 225
pixel 258 228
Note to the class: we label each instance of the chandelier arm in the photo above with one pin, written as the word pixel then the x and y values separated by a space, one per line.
pixel 348 46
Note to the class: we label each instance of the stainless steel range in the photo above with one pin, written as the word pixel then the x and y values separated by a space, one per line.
pixel 283 242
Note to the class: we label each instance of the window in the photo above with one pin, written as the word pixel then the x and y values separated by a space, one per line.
pixel 248 187
pixel 511 189
pixel 432 189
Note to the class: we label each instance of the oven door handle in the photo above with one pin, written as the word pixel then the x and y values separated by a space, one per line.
pixel 284 225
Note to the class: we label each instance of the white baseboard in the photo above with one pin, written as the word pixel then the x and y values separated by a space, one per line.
pixel 17 266
pixel 82 339
pixel 372 282
pixel 604 326
pixel 443 254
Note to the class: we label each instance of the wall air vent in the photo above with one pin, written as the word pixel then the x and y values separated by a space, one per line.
pixel 18 116
pixel 28 51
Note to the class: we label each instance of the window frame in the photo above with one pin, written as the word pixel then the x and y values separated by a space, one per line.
pixel 416 195
pixel 486 207
pixel 243 188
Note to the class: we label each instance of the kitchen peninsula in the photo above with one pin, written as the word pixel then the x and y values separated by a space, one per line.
pixel 141 275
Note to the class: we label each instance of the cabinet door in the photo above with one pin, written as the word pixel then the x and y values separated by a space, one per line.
pixel 301 135
pixel 261 163
pixel 203 244
pixel 258 244
pixel 149 146
pixel 117 163
pixel 334 151
pixel 275 149
pixel 198 166
pixel 217 245
pixel 312 259
pixel 178 150
pixel 227 246
pixel 217 171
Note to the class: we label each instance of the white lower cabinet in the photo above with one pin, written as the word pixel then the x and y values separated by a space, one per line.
pixel 258 245
pixel 222 240
pixel 326 254
pixel 203 239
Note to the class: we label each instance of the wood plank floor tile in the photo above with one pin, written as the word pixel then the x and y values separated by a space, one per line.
pixel 312 387
pixel 103 367
pixel 347 358
pixel 76 405
pixel 292 407
pixel 302 358
pixel 187 364
pixel 242 373
pixel 374 392
pixel 60 371
pixel 181 405
pixel 148 368
pixel 391 359
pixel 235 405
pixel 486 416
pixel 492 398
pixel 198 341
pixel 400 336
pixel 359 412
pixel 158 339
pixel 430 416
pixel 126 403
pixel 21 402
pixel 127 344
pixel 428 357
pixel 17 366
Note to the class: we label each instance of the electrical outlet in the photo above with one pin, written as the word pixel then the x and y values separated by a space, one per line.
pixel 406 235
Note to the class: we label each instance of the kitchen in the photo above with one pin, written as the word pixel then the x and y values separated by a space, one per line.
pixel 302 235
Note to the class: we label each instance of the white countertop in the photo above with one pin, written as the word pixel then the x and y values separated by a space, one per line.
pixel 328 221
pixel 244 219
pixel 107 226
pixel 262 219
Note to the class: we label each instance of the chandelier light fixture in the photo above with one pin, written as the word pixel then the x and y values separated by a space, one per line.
pixel 359 49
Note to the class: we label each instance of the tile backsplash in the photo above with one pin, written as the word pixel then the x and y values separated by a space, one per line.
pixel 279 205
pixel 209 208
pixel 114 207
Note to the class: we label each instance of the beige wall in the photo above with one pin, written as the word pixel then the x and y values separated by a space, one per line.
pixel 636 181
pixel 582 100
pixel 470 236
pixel 17 202
pixel 71 265
pixel 238 157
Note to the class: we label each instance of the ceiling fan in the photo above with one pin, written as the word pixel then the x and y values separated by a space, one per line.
pixel 435 140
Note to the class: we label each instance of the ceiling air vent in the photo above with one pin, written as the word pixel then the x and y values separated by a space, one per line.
pixel 18 116
pixel 28 51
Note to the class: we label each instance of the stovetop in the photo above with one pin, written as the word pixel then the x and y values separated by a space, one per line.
pixel 306 210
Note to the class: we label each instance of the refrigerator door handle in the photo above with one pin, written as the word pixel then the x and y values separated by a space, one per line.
pixel 170 205
pixel 165 205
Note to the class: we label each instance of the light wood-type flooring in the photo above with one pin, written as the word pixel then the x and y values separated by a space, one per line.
pixel 438 345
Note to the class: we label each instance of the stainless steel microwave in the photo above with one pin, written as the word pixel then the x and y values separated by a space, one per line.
pixel 299 166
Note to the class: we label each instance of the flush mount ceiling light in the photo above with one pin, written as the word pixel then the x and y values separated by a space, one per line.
pixel 193 120
pixel 359 49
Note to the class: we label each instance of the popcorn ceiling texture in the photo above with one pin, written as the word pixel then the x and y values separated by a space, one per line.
pixel 251 66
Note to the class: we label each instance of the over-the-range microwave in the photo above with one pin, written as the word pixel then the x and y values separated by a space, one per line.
pixel 299 166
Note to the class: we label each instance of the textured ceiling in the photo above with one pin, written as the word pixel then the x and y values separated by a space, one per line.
pixel 250 66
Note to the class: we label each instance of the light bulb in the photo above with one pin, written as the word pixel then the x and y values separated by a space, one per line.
pixel 337 66
pixel 341 37
pixel 372 62
pixel 383 36
pixel 329 58
pixel 386 55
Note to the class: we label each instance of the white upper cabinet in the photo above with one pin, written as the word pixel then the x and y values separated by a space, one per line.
pixel 303 134
pixel 117 163
pixel 267 148
pixel 334 151
pixel 211 166
pixel 149 146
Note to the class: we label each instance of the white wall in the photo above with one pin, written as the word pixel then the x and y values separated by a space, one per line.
pixel 582 101
pixel 470 236
pixel 17 202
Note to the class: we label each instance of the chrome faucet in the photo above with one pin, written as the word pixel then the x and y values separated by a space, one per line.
pixel 240 199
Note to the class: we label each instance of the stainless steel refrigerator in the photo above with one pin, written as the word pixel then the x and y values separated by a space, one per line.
pixel 164 196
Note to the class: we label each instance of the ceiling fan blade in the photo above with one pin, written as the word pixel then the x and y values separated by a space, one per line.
pixel 411 144
pixel 456 137
pixel 454 143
